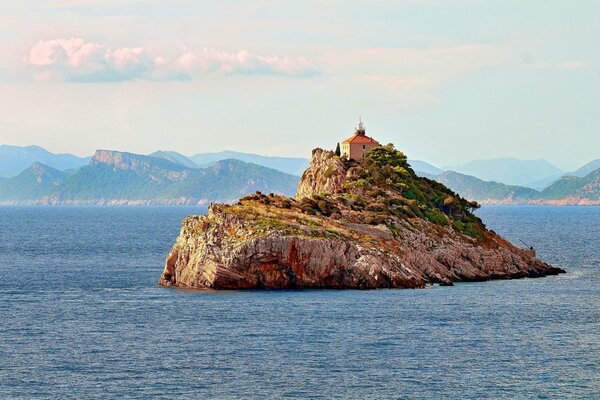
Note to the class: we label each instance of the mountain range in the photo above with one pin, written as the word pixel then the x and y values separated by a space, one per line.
pixel 113 177
pixel 289 165
pixel 33 175
pixel 511 171
pixel 568 190
pixel 14 159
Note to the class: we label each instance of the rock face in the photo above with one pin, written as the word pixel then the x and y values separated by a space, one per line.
pixel 324 175
pixel 365 225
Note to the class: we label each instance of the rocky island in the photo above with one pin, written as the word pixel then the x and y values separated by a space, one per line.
pixel 363 224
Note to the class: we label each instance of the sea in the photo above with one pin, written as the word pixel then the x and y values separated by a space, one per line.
pixel 82 317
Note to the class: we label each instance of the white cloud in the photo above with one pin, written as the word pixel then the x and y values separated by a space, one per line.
pixel 78 60
pixel 530 62
pixel 208 61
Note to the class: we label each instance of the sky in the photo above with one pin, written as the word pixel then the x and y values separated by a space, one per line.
pixel 446 81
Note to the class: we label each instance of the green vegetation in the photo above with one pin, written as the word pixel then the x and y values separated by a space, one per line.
pixel 149 178
pixel 587 187
pixel 385 178
pixel 475 188
pixel 126 176
pixel 36 181
pixel 328 172
pixel 381 189
pixel 567 187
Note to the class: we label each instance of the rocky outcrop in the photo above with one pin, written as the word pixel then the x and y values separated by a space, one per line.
pixel 158 169
pixel 364 225
pixel 325 174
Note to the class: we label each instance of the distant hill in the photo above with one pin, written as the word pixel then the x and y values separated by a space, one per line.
pixel 114 177
pixel 474 188
pixel 568 190
pixel 15 159
pixel 574 190
pixel 289 165
pixel 175 157
pixel 422 167
pixel 167 177
pixel 586 169
pixel 511 171
pixel 33 183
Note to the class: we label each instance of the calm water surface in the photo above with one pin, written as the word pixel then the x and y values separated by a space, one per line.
pixel 81 317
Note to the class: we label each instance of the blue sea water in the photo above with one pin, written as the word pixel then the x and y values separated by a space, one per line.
pixel 81 316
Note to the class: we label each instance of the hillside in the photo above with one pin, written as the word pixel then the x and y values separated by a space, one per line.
pixel 568 190
pixel 485 192
pixel 367 224
pixel 511 171
pixel 289 165
pixel 574 190
pixel 125 178
pixel 15 159
pixel 36 181
pixel 116 177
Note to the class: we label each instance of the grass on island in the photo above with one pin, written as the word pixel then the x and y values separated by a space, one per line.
pixel 381 189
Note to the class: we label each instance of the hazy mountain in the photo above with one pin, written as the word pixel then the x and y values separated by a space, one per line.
pixel 474 188
pixel 113 177
pixel 568 190
pixel 36 181
pixel 289 165
pixel 511 171
pixel 574 189
pixel 116 177
pixel 175 157
pixel 586 169
pixel 423 168
pixel 15 159
pixel 544 183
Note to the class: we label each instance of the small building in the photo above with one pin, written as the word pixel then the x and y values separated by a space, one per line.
pixel 356 146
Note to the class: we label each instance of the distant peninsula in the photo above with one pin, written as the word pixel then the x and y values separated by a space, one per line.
pixel 362 220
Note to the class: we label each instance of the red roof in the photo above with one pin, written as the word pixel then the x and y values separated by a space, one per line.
pixel 360 139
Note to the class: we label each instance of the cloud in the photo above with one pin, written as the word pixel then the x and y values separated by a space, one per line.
pixel 78 60
pixel 530 62
pixel 207 61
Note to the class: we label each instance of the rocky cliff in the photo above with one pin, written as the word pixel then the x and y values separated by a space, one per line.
pixel 368 224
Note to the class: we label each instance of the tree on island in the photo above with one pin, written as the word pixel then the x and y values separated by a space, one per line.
pixel 337 150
